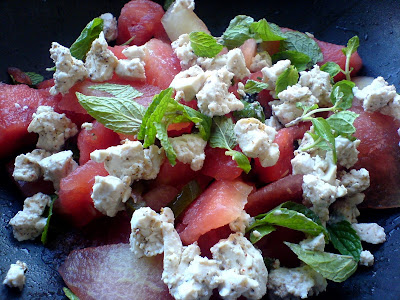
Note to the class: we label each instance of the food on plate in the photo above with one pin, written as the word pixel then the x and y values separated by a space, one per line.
pixel 240 160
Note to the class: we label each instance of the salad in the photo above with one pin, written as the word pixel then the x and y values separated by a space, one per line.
pixel 234 151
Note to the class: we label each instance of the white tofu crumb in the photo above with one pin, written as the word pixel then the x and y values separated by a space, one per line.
pixel 370 232
pixel 214 98
pixel 28 223
pixel 109 194
pixel 57 166
pixel 355 181
pixel 87 126
pixel 15 277
pixel 299 282
pixel 393 108
pixel 188 83
pixel 131 68
pixel 110 27
pixel 314 243
pixel 274 123
pixel 366 258
pixel 346 150
pixel 319 83
pixel 240 89
pixel 53 128
pixel 271 74
pixel 346 208
pixel 69 70
pixel 260 61
pixel 184 51
pixel 240 224
pixel 183 5
pixel 26 166
pixel 100 61
pixel 256 141
pixel 134 52
pixel 236 64
pixel 189 149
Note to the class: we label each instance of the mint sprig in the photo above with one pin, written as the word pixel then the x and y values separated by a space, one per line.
pixel 345 239
pixel 352 46
pixel 204 45
pixel 83 43
pixel 45 232
pixel 298 59
pixel 264 32
pixel 117 90
pixel 35 77
pixel 69 294
pixel 288 78
pixel 250 110
pixel 262 231
pixel 253 87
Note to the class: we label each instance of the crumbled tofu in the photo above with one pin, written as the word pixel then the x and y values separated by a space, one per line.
pixel 131 68
pixel 376 95
pixel 134 52
pixel 314 243
pixel 271 74
pixel 110 26
pixel 285 109
pixel 130 159
pixel 100 61
pixel 69 70
pixel 53 128
pixel 87 126
pixel 15 277
pixel 26 166
pixel 189 149
pixel 109 194
pixel 260 61
pixel 240 89
pixel 366 258
pixel 346 150
pixel 214 98
pixel 57 166
pixel 346 208
pixel 184 51
pixel 299 282
pixel 236 64
pixel 256 140
pixel 28 223
pixel 212 64
pixel 370 232
pixel 188 83
pixel 393 108
pixel 319 83
pixel 274 123
pixel 183 5
pixel 355 181
pixel 240 224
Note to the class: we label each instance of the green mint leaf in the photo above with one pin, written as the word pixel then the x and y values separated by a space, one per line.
pixel 352 46
pixel 118 90
pixel 300 42
pixel 342 122
pixel 288 78
pixel 263 230
pixel 35 77
pixel 83 43
pixel 118 114
pixel 69 294
pixel 162 135
pixel 45 232
pixel 222 134
pixel 342 94
pixel 188 194
pixel 332 68
pixel 298 59
pixel 250 110
pixel 303 210
pixel 324 130
pixel 263 31
pixel 253 87
pixel 237 32
pixel 167 4
pixel 305 108
pixel 241 160
pixel 345 239
pixel 204 45
pixel 319 142
pixel 334 267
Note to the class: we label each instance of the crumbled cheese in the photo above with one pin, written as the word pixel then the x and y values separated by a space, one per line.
pixel 274 123
pixel 355 181
pixel 28 223
pixel 100 61
pixel 134 52
pixel 376 95
pixel 393 108
pixel 370 232
pixel 319 83
pixel 260 61
pixel 236 63
pixel 212 64
pixel 130 159
pixel 271 74
pixel 69 70
pixel 256 140
pixel 240 224
pixel 346 208
pixel 182 5
pixel 26 166
pixel 299 282
pixel 109 194
pixel 53 128
pixel 131 68
pixel 15 277
pixel 57 166
pixel 314 243
pixel 214 98
pixel 366 258
pixel 346 150
pixel 189 149
pixel 110 26
pixel 240 89
pixel 188 83
pixel 87 126
pixel 184 51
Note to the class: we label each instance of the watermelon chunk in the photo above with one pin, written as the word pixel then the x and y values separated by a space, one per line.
pixel 220 166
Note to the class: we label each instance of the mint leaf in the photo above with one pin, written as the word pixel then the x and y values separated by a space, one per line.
pixel 237 32
pixel 117 90
pixel 345 239
pixel 35 77
pixel 323 130
pixel 83 43
pixel 332 68
pixel 189 193
pixel 302 209
pixel 263 230
pixel 352 46
pixel 297 59
pixel 342 122
pixel 222 134
pixel 306 109
pixel 204 45
pixel 162 135
pixel 342 94
pixel 241 160
pixel 118 114
pixel 264 31
pixel 288 78
pixel 334 267
pixel 250 110
pixel 69 294
pixel 167 4
pixel 253 87
pixel 43 238
pixel 300 42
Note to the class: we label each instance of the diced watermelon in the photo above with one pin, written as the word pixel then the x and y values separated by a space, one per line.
pixel 74 199
pixel 46 84
pixel 177 129
pixel 114 272
pixel 221 203
pixel 161 63
pixel 99 137
pixel 209 239
pixel 160 196
pixel 140 19
pixel 117 50
pixel 220 166
pixel 176 176
pixel 249 50
pixel 17 104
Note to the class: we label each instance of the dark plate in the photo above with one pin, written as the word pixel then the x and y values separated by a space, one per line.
pixel 29 27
